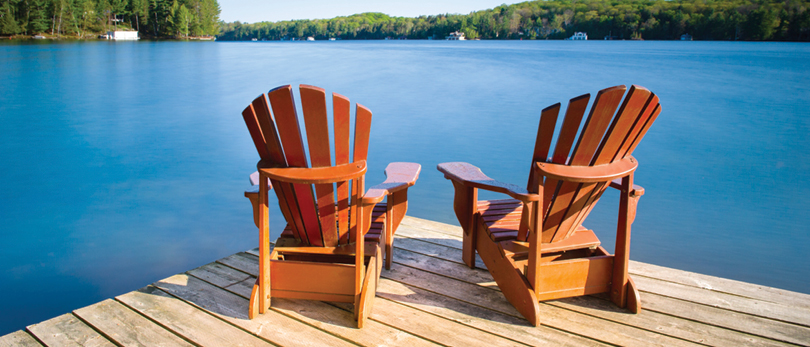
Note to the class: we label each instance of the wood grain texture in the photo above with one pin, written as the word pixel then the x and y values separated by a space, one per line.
pixel 434 328
pixel 561 319
pixel 342 109
pixel 18 338
pixel 681 318
pixel 313 103
pixel 126 327
pixel 283 104
pixel 399 176
pixel 588 174
pixel 471 176
pixel 429 297
pixel 67 330
pixel 320 315
pixel 329 174
pixel 722 285
pixel 187 321
pixel 271 326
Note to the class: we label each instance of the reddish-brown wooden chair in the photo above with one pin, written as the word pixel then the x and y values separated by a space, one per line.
pixel 534 244
pixel 330 248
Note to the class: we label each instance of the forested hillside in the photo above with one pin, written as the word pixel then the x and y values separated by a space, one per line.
pixel 787 20
pixel 82 18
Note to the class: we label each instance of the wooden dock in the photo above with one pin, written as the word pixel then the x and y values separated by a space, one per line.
pixel 429 298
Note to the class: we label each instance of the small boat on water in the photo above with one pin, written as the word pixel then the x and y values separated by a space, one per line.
pixel 123 35
pixel 39 37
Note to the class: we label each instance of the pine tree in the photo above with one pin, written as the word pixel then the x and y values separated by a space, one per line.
pixel 8 24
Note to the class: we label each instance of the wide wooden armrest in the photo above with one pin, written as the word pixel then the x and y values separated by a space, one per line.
pixel 399 176
pixel 317 175
pixel 471 176
pixel 588 174
pixel 637 189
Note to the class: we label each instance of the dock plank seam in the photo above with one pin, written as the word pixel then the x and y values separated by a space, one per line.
pixel 407 222
pixel 275 310
pixel 519 316
pixel 429 313
pixel 447 319
pixel 164 326
pixel 99 331
pixel 250 276
pixel 237 326
pixel 607 318
pixel 391 326
pixel 34 336
pixel 477 328
pixel 730 310
pixel 641 289
pixel 724 327
pixel 721 292
pixel 196 307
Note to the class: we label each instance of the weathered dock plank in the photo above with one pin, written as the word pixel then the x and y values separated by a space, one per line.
pixel 272 326
pixel 185 320
pixel 19 338
pixel 722 300
pixel 565 320
pixel 429 326
pixel 478 317
pixel 685 319
pixel 315 313
pixel 67 330
pixel 753 325
pixel 126 327
pixel 430 298
pixel 723 285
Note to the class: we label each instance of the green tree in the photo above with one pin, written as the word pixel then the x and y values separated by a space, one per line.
pixel 38 21
pixel 8 24
pixel 182 20
pixel 760 24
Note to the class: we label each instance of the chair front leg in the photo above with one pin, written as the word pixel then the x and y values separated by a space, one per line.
pixel 627 212
pixel 260 297
pixel 465 205
pixel 396 206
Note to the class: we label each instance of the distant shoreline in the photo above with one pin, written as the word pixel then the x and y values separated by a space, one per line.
pixel 741 20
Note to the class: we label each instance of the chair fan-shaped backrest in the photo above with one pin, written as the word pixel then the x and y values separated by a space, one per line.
pixel 322 218
pixel 607 135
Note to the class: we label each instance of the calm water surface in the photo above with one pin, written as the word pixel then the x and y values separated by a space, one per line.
pixel 124 163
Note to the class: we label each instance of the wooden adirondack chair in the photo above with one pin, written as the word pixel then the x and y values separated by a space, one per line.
pixel 330 249
pixel 534 244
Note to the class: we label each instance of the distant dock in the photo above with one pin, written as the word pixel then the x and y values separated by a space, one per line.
pixel 429 297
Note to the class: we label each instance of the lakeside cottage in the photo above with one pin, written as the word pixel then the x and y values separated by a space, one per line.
pixel 579 36
pixel 456 36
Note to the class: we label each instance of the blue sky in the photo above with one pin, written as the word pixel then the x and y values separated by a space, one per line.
pixel 273 10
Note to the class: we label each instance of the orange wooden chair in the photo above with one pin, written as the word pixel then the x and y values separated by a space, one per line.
pixel 534 244
pixel 330 249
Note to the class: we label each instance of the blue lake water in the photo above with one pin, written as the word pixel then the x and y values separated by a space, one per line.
pixel 124 163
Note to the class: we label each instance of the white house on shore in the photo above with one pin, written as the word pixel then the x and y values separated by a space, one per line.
pixel 122 35
pixel 579 36
pixel 456 36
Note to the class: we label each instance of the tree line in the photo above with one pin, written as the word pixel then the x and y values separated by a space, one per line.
pixel 755 20
pixel 83 18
